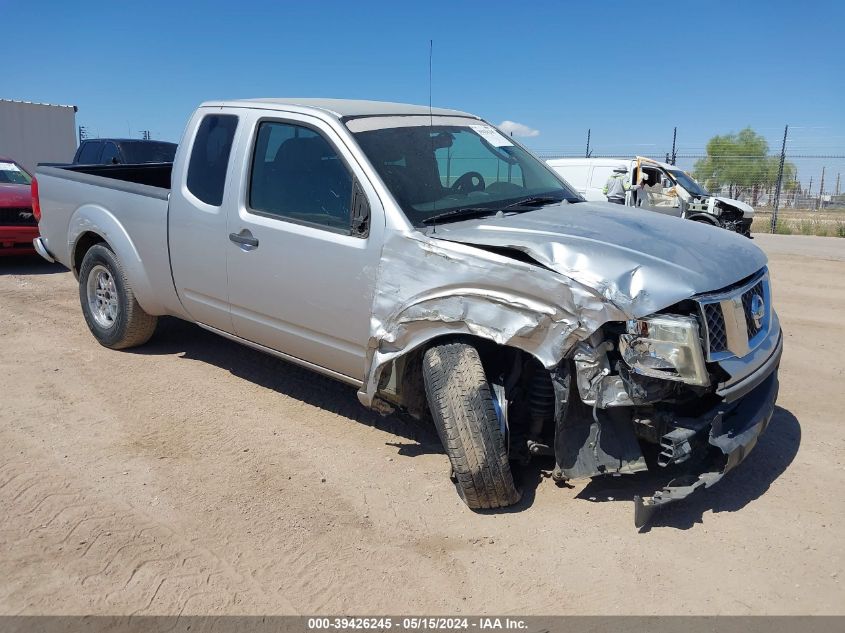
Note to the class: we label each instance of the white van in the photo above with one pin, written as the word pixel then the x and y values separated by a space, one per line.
pixel 658 187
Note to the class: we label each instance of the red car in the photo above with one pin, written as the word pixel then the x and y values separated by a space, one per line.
pixel 18 225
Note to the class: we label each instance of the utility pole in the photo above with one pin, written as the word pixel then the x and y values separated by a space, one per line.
pixel 587 154
pixel 837 183
pixel 674 139
pixel 780 179
pixel 821 190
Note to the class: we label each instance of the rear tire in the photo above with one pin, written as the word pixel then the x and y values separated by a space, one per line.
pixel 461 404
pixel 109 306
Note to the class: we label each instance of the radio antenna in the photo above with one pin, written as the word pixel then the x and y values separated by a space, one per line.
pixel 430 53
pixel 431 121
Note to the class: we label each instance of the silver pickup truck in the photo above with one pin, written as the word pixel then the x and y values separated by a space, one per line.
pixel 433 262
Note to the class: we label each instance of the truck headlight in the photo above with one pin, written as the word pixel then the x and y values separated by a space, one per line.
pixel 666 347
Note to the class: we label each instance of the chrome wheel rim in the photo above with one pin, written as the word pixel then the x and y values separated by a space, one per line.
pixel 102 296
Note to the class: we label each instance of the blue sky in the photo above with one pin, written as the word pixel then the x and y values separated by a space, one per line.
pixel 630 71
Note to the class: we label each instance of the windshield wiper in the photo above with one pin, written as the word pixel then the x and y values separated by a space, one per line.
pixel 460 214
pixel 534 201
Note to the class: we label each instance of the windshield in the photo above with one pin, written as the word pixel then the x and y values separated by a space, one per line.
pixel 148 152
pixel 12 174
pixel 688 182
pixel 455 164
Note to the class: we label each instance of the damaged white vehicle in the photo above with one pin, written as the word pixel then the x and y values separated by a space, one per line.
pixel 441 268
pixel 658 187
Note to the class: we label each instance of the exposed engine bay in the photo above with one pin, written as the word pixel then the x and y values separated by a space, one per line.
pixel 596 415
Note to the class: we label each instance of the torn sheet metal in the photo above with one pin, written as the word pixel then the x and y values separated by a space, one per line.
pixel 734 432
pixel 746 209
pixel 596 386
pixel 428 288
pixel 595 264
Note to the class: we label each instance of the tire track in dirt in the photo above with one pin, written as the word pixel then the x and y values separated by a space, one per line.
pixel 116 557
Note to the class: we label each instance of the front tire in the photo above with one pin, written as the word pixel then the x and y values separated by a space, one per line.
pixel 109 306
pixel 461 404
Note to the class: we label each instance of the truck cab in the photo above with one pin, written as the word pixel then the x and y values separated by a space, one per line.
pixel 658 187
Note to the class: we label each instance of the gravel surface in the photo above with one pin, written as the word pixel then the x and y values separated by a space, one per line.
pixel 197 476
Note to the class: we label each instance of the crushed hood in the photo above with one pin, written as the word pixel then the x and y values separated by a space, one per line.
pixel 747 209
pixel 640 262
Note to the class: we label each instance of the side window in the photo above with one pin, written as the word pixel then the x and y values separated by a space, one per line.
pixel 297 175
pixel 90 153
pixel 210 157
pixel 110 155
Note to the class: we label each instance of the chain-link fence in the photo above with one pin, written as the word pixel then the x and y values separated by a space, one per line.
pixel 794 191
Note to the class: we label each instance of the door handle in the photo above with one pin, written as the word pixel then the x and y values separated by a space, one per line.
pixel 244 239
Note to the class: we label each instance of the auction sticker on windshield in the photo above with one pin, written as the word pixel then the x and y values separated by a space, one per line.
pixel 491 135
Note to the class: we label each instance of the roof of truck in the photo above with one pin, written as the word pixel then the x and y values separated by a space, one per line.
pixel 343 108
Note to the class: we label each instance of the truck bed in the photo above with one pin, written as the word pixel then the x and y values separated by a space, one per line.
pixel 125 205
pixel 150 174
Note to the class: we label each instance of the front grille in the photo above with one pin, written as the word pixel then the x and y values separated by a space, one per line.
pixel 728 318
pixel 17 216
pixel 747 298
pixel 717 335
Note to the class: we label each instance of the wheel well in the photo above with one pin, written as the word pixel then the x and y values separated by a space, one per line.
pixel 408 383
pixel 706 219
pixel 83 245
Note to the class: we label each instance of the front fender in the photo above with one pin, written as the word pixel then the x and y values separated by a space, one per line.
pixel 428 288
pixel 92 218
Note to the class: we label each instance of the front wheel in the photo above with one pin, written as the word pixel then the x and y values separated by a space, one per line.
pixel 109 306
pixel 464 414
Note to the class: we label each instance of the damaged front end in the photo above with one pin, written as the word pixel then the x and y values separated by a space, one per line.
pixel 662 394
pixel 733 215
pixel 586 361
pixel 730 430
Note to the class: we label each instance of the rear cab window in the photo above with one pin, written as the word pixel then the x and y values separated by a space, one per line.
pixel 110 155
pixel 89 153
pixel 210 157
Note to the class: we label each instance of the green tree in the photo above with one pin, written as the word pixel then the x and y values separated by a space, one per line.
pixel 742 163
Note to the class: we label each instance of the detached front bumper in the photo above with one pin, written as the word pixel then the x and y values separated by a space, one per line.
pixel 732 430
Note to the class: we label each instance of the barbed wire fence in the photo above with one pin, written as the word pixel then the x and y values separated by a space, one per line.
pixel 793 190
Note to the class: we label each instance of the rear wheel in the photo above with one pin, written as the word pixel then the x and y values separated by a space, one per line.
pixel 109 306
pixel 463 410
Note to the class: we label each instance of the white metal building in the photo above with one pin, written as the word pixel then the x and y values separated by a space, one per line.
pixel 33 133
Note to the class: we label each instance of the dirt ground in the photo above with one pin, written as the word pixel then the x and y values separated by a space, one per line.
pixel 197 476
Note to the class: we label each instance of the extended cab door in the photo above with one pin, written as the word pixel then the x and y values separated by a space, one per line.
pixel 197 223
pixel 304 243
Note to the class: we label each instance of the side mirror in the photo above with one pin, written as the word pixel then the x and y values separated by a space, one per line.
pixel 360 211
pixel 115 160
